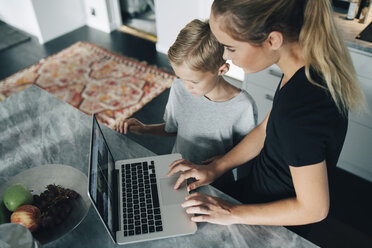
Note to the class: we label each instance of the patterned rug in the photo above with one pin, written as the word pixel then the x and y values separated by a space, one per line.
pixel 93 80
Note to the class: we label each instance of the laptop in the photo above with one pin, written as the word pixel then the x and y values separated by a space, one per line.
pixel 134 198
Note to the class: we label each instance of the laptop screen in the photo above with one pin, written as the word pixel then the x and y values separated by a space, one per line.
pixel 101 177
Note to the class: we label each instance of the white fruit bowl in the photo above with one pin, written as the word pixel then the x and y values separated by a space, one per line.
pixel 37 178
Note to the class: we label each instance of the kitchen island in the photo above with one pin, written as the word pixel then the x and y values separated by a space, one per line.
pixel 38 129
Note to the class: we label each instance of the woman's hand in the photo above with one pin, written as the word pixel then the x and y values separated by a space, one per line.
pixel 212 159
pixel 134 125
pixel 203 174
pixel 209 209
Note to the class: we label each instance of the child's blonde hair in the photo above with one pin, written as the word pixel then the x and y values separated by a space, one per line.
pixel 197 47
pixel 309 22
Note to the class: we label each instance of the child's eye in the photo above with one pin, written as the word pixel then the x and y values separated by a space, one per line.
pixel 193 82
pixel 190 82
pixel 230 49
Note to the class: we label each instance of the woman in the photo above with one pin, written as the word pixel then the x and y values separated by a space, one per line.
pixel 293 152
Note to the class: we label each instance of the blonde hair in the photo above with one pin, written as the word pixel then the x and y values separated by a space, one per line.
pixel 197 47
pixel 308 22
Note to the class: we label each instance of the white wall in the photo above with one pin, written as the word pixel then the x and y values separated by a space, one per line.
pixel 20 14
pixel 173 15
pixel 101 18
pixel 58 17
pixel 45 19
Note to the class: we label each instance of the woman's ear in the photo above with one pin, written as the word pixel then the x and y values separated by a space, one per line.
pixel 275 40
pixel 223 69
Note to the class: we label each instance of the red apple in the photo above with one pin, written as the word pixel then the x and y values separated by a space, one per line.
pixel 28 216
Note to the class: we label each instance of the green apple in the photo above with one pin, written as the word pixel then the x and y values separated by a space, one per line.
pixel 4 213
pixel 16 195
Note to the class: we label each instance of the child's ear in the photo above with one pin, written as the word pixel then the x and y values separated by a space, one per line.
pixel 223 69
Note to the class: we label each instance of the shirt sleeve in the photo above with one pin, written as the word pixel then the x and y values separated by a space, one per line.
pixel 304 133
pixel 247 120
pixel 169 117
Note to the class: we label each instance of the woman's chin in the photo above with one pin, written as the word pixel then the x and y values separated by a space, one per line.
pixel 249 71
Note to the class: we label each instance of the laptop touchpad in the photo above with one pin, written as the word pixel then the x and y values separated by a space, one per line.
pixel 169 195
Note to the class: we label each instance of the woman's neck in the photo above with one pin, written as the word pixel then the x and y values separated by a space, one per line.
pixel 290 61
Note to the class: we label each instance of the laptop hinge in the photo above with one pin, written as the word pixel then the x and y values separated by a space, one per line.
pixel 116 203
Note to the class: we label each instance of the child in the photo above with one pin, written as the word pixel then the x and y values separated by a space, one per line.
pixel 208 115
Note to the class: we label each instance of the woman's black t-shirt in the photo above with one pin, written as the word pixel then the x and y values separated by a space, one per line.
pixel 304 128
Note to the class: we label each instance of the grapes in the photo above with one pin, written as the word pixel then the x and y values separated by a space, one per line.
pixel 43 196
pixel 47 221
pixel 43 204
pixel 36 199
pixel 53 210
pixel 72 194
pixel 55 204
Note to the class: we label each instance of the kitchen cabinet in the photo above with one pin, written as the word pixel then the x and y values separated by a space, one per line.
pixel 262 86
pixel 356 155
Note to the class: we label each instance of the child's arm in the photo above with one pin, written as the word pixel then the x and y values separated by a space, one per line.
pixel 137 127
pixel 158 130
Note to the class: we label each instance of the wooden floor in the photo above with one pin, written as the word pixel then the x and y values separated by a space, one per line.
pixel 349 222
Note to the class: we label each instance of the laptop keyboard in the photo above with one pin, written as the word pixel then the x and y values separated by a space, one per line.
pixel 141 211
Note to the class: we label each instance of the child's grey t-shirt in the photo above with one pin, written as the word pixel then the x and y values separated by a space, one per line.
pixel 205 128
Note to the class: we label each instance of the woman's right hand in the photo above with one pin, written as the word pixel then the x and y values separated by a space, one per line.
pixel 203 174
pixel 134 125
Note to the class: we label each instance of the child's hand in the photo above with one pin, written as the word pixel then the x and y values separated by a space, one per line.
pixel 134 125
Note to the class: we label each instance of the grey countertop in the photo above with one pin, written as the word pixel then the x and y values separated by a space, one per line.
pixel 37 128
pixel 351 28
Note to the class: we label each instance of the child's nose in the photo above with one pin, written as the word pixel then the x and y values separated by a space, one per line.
pixel 225 55
pixel 189 87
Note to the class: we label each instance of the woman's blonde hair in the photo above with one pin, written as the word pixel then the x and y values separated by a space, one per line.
pixel 309 22
pixel 197 47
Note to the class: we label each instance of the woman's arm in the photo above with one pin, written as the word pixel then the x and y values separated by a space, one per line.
pixel 247 149
pixel 310 205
